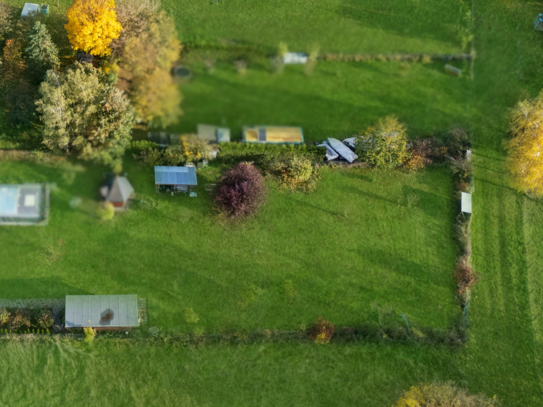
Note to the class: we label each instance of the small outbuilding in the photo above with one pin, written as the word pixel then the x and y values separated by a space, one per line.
pixel 117 190
pixel 30 9
pixel 213 134
pixel 24 204
pixel 175 179
pixel 466 203
pixel 273 135
pixel 295 58
pixel 103 312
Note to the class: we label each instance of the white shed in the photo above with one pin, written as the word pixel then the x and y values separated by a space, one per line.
pixel 30 9
pixel 292 58
pixel 466 202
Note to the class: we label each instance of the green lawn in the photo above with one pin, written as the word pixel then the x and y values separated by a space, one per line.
pixel 364 236
pixel 338 100
pixel 503 354
pixel 348 26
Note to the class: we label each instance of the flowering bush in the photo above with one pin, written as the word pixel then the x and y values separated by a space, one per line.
pixel 45 319
pixel 321 331
pixel 189 149
pixel 241 191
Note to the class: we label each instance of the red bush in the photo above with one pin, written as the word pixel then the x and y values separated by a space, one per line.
pixel 241 191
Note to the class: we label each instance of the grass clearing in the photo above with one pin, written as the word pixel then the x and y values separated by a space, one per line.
pixel 501 357
pixel 364 236
pixel 351 26
pixel 338 100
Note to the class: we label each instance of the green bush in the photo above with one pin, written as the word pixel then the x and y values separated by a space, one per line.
pixel 443 394
pixel 384 145
pixel 294 172
pixel 4 316
pixel 106 211
pixel 262 153
pixel 142 145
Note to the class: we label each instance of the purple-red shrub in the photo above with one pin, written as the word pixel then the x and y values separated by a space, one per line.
pixel 241 191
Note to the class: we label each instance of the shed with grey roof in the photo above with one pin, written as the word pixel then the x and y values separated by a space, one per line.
pixel 102 311
pixel 24 204
pixel 175 179
pixel 30 9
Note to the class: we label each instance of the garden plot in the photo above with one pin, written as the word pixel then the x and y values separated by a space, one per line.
pixel 364 237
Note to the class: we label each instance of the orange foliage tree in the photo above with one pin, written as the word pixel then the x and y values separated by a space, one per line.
pixel 525 148
pixel 92 26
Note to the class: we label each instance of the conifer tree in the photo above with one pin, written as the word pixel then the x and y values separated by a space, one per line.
pixel 42 53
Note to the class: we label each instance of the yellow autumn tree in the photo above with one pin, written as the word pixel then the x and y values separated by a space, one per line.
pixel 525 148
pixel 92 26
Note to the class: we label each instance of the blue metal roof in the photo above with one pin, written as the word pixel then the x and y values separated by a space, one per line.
pixel 175 176
pixel 9 196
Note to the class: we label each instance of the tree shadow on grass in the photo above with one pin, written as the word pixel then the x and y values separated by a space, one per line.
pixel 46 287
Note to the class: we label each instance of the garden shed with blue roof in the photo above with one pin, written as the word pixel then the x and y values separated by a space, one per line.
pixel 175 179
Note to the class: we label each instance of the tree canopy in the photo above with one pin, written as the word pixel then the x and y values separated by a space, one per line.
pixel 149 57
pixel 92 26
pixel 385 144
pixel 84 115
pixel 42 53
pixel 525 148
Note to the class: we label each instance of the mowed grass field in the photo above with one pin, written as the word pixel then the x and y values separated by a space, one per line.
pixel 500 359
pixel 364 236
pixel 338 100
pixel 348 26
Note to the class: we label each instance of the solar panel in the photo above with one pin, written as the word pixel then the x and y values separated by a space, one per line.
pixel 261 134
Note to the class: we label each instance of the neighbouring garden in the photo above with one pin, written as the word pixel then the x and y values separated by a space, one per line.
pixel 366 244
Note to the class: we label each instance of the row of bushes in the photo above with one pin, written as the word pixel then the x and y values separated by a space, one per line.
pixel 32 331
pixel 22 319
pixel 189 149
pixel 424 58
pixel 464 274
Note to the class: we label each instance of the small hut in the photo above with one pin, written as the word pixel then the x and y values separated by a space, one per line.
pixel 175 179
pixel 213 134
pixel 117 190
pixel 103 312
pixel 273 135
pixel 30 9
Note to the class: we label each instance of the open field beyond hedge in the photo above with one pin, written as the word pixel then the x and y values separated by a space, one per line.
pixel 503 355
pixel 364 236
